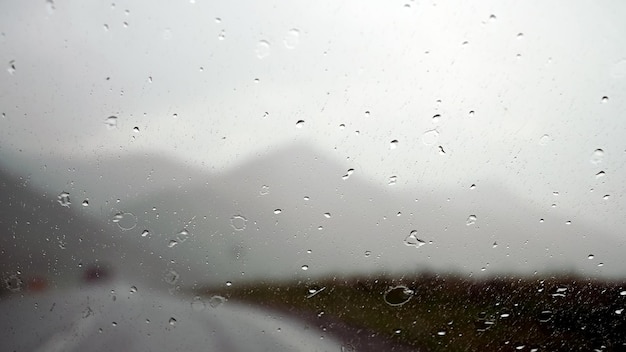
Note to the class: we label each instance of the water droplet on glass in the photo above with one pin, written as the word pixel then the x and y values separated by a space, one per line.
pixel 597 156
pixel 314 291
pixel 392 180
pixel 263 49
pixel 606 197
pixel 229 284
pixel 327 215
pixel 600 174
pixel 11 68
pixel 238 222
pixel 86 203
pixel 171 277
pixel 111 122
pixel 544 140
pixel 216 301
pixel 591 256
pixel 125 221
pixel 492 18
pixel 277 211
pixel 172 243
pixel 145 233
pixel 436 118
pixel 619 311
pixel 394 144
pixel 605 99
pixel 292 38
pixel 306 198
pixel 348 174
pixel 495 244
pixel 136 129
pixel 600 264
pixel 181 236
pixel 346 348
pixel 471 113
pixel 398 296
pixel 197 304
pixel 300 124
pixel 64 199
pixel 14 283
pixel 545 316
pixel 172 321
pixel 221 35
pixel 133 289
pixel 412 241
pixel 520 35
pixel 430 137
pixel 264 190
pixel 473 186
pixel 368 253
pixel 342 126
pixel 106 27
pixel 471 220
pixel 367 113
pixel 305 267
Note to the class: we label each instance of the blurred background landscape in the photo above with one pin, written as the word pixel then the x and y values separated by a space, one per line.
pixel 284 233
pixel 291 214
pixel 314 160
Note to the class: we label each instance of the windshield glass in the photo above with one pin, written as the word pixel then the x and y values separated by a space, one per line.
pixel 347 176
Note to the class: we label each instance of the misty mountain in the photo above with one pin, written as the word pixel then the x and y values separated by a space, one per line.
pixel 296 213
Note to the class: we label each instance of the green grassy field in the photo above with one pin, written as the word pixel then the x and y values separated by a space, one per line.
pixel 450 313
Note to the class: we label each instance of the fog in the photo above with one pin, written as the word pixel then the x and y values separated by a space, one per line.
pixel 493 130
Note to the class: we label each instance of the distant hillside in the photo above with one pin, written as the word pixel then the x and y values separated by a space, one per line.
pixel 45 241
pixel 294 209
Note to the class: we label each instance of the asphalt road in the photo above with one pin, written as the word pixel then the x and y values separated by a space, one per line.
pixel 101 318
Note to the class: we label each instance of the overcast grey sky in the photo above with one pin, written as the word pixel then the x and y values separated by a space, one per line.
pixel 518 94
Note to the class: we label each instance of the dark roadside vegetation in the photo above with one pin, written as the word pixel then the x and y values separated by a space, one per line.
pixel 430 312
